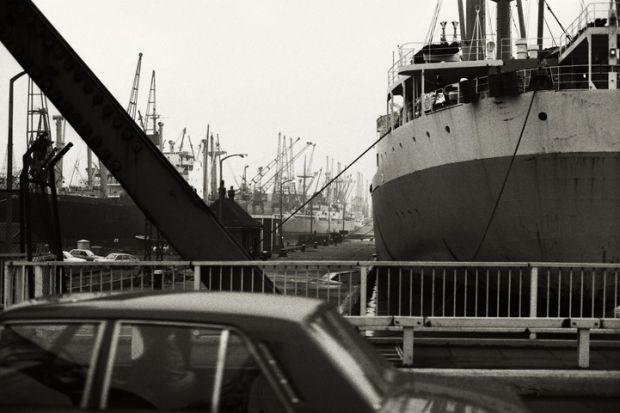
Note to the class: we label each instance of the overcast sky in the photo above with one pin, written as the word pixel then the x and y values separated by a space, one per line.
pixel 315 69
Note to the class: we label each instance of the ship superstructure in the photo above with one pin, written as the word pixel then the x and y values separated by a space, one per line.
pixel 503 149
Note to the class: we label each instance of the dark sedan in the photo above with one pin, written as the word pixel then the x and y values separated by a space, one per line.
pixel 210 352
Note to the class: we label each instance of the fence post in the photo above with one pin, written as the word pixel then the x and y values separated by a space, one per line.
pixel 363 290
pixel 533 296
pixel 39 282
pixel 6 287
pixel 534 292
pixel 407 346
pixel 583 348
pixel 196 277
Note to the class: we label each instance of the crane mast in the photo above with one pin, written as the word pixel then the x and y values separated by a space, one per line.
pixel 133 97
pixel 150 122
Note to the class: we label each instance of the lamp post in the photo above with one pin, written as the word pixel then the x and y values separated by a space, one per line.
pixel 9 162
pixel 281 215
pixel 222 188
pixel 9 174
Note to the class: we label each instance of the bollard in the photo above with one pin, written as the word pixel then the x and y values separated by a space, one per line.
pixel 303 247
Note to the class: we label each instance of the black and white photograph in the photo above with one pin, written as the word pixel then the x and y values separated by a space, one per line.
pixel 270 206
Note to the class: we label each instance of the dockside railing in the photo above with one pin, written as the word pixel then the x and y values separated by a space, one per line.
pixel 443 289
pixel 574 298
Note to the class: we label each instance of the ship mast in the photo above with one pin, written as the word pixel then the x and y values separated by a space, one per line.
pixel 522 30
pixel 475 29
pixel 504 35
pixel 541 27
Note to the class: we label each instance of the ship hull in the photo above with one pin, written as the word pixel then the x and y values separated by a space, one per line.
pixel 303 227
pixel 440 176
pixel 557 207
pixel 112 223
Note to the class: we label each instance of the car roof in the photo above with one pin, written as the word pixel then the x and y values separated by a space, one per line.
pixel 175 305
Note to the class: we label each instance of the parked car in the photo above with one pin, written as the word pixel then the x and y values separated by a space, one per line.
pixel 212 352
pixel 87 255
pixel 67 257
pixel 118 257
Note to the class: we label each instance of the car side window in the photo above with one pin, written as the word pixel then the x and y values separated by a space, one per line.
pixel 164 366
pixel 46 365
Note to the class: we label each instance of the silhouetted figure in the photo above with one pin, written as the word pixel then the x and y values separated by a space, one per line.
pixel 231 194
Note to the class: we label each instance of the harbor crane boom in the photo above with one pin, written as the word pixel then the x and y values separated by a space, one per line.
pixel 286 166
pixel 123 147
pixel 265 169
pixel 133 97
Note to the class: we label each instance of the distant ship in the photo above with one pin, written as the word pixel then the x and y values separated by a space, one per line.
pixel 490 155
pixel 108 217
pixel 322 223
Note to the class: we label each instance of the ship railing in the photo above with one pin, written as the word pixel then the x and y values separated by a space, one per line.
pixel 574 77
pixel 476 50
pixel 596 14
pixel 525 48
pixel 394 288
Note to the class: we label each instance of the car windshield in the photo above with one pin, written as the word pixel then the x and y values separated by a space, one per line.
pixel 111 256
pixel 356 359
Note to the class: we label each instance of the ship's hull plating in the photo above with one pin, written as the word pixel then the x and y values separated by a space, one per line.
pixel 109 222
pixel 303 226
pixel 434 196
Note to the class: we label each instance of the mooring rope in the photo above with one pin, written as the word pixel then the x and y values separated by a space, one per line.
pixel 501 191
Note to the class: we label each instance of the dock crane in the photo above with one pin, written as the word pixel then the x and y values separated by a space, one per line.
pixel 121 145
pixel 151 117
pixel 133 97
pixel 286 166
pixel 264 170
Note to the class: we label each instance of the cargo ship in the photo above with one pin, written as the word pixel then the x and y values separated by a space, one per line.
pixel 502 149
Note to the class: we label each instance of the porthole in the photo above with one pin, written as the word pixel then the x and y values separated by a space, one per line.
pixel 413 138
pixel 542 116
pixel 401 145
pixel 447 129
pixel 428 134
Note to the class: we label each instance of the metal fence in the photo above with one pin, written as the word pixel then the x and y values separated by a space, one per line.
pixel 424 289
pixel 495 290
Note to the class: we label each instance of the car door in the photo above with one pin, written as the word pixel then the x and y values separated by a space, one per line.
pixel 174 366
pixel 48 364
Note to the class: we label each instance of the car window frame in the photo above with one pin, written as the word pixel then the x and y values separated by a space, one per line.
pixel 96 349
pixel 250 346
pixel 318 325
